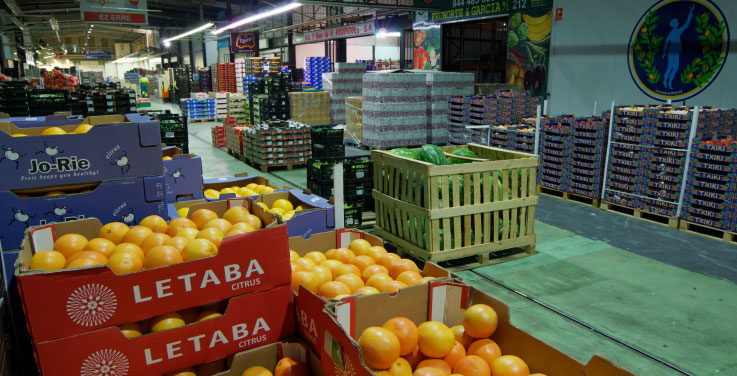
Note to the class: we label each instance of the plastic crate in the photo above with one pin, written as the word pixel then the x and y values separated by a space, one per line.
pixel 354 168
pixel 352 191
pixel 353 215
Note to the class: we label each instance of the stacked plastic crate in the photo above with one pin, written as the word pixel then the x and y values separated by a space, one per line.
pixel 586 166
pixel 43 102
pixel 394 110
pixel 347 81
pixel 555 154
pixel 198 108
pixel 205 80
pixel 314 68
pixel 235 108
pixel 14 98
pixel 174 131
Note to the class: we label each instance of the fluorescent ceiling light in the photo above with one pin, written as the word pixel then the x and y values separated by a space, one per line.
pixel 193 31
pixel 257 17
pixel 384 34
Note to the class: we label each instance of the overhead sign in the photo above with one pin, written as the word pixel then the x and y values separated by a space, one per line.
pixel 97 55
pixel 455 10
pixel 348 31
pixel 122 49
pixel 243 42
pixel 115 11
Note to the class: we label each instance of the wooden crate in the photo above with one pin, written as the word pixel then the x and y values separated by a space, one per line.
pixel 478 216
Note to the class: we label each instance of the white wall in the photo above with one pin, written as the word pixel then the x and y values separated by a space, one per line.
pixel 301 51
pixel 589 57
pixel 211 49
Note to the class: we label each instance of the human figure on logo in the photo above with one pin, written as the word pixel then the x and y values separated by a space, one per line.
pixel 673 47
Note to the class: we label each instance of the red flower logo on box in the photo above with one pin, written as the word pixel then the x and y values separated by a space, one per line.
pixel 421 58
pixel 106 362
pixel 91 305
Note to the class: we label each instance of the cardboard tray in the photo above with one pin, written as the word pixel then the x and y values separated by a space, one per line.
pixel 182 176
pixel 268 356
pixel 318 216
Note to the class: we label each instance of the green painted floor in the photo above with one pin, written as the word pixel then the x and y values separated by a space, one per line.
pixel 684 318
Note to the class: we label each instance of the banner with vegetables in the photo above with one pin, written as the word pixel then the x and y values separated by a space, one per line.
pixel 427 49
pixel 528 50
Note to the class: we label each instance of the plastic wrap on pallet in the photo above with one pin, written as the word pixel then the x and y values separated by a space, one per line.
pixel 311 108
pixel 342 86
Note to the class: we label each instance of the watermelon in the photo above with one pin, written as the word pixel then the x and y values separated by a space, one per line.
pixel 404 152
pixel 432 154
pixel 462 152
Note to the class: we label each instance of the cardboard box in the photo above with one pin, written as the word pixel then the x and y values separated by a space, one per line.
pixel 246 324
pixel 267 357
pixel 318 214
pixel 126 200
pixel 118 147
pixel 443 301
pixel 182 175
pixel 245 263
pixel 309 307
pixel 240 179
pixel 48 121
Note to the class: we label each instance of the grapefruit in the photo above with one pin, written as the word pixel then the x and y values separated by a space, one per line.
pixel 323 275
pixel 124 263
pixel 201 216
pixel 414 357
pixel 129 248
pixel 178 242
pixel 317 257
pixel 353 281
pixel 400 367
pixel 178 224
pixel 455 355
pixel 282 204
pixel 290 367
pixel 402 265
pixel 379 347
pixel 377 281
pixel 257 371
pixel 131 330
pixel 333 289
pixel 234 213
pixel 367 290
pixel 81 262
pixel 162 255
pixel 363 262
pixel 391 286
pixel 100 245
pixel 212 234
pixel 472 365
pixel 429 371
pixel 153 240
pixel 387 259
pixel 406 332
pixel 252 220
pixel 219 224
pixel 480 321
pixel 435 339
pixel 98 258
pixel 198 248
pixel 343 255
pixel 410 278
pixel 189 233
pixel 305 263
pixel 347 269
pixel 509 365
pixel 376 252
pixel 436 363
pixel 487 350
pixel 113 231
pixel 307 279
pixel 53 131
pixel 242 226
pixel 359 246
pixel 155 223
pixel 373 269
pixel 136 235
pixel 70 244
pixel 208 314
pixel 166 321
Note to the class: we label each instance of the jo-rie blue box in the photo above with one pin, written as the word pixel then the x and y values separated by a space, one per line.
pixel 317 216
pixel 117 147
pixel 182 175
pixel 125 200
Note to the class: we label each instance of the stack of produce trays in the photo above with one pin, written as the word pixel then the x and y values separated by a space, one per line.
pixel 521 138
pixel 555 156
pixel 357 183
pixel 499 136
pixel 712 183
pixel 394 109
pixel 174 131
pixel 43 102
pixel 624 156
pixel 314 68
pixel 588 137
pixel 199 108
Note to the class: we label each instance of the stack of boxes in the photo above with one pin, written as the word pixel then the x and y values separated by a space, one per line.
pixel 273 104
pixel 440 86
pixel 277 143
pixel 555 154
pixel 236 109
pixel 314 68
pixel 247 81
pixel 182 175
pixel 221 104
pixel 14 98
pixel 198 108
pixel 272 65
pixel 219 137
pixel 347 81
pixel 111 102
pixel 132 77
pixel 223 77
pixel 174 131
pixel 311 108
pixel 240 74
pixel 254 66
pixel 354 119
pixel 91 78
pixel 205 80
pixel 394 109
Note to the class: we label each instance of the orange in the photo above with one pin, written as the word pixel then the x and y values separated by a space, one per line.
pixel 189 233
pixel 212 234
pixel 155 223
pixel 363 262
pixel 131 330
pixel 376 252
pixel 178 242
pixel 53 131
pixel 509 365
pixel 82 128
pixel 379 347
pixel 400 367
pixel 332 265
pixel 460 336
pixel 477 344
pixel 201 216
pixel 178 224
pixel 479 321
pixel 343 255
pixel 162 255
pixel 429 371
pixel 305 278
pixel 436 363
pixel 488 351
pixel 100 245
pixel 402 265
pixel 387 259
pixel 409 278
pixel 347 269
pixel 415 357
pixel 367 290
pixel 373 269
pixel 136 235
pixel 70 244
pixel 81 262
pixel 293 255
pixel 55 193
pixel 98 258
pixel 190 314
pixel 296 268
pixel 435 339
pixel 473 365
pixel 183 372
pixel 333 289
pixel 219 224
pixel 323 275
pixel 406 332
pixel 209 369
pixel 426 280
pixel 305 263
pixel 166 321
pixel 317 257
pixel 537 374
pixel 378 280
pixel 257 371
pixel 234 213
pixel 124 263
pixel 391 286
pixel 455 355
pixel 250 219
pixel 208 314
pixel 243 226
pixel 290 367
pixel 198 248
pixel 329 253
pixel 129 248
pixel 353 281
pixel 234 233
pixel 359 246
pixel 282 204
pixel 153 240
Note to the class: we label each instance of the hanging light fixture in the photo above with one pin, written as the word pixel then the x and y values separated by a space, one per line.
pixel 257 17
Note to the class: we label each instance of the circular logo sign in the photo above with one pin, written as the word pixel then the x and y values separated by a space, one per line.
pixel 91 305
pixel 678 48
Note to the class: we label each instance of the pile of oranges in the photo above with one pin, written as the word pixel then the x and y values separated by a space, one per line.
pixel 51 131
pixel 400 348
pixel 358 269
pixel 285 367
pixel 173 320
pixel 252 189
pixel 153 243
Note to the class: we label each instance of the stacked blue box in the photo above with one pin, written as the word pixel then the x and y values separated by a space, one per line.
pixel 554 156
pixel 199 108
pixel 709 198
pixel 314 68
pixel 588 138
pixel 625 153
pixel 246 81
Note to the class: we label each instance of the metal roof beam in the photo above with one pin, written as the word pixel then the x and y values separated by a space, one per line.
pixel 366 4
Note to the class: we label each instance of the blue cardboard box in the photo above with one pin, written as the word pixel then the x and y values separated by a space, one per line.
pixel 49 121
pixel 127 201
pixel 182 175
pixel 318 214
pixel 117 147
pixel 240 179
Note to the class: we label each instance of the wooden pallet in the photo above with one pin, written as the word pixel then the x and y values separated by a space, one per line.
pixel 709 231
pixel 210 120
pixel 671 222
pixel 595 202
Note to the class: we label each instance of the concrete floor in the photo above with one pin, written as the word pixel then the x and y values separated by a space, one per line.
pixel 668 293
